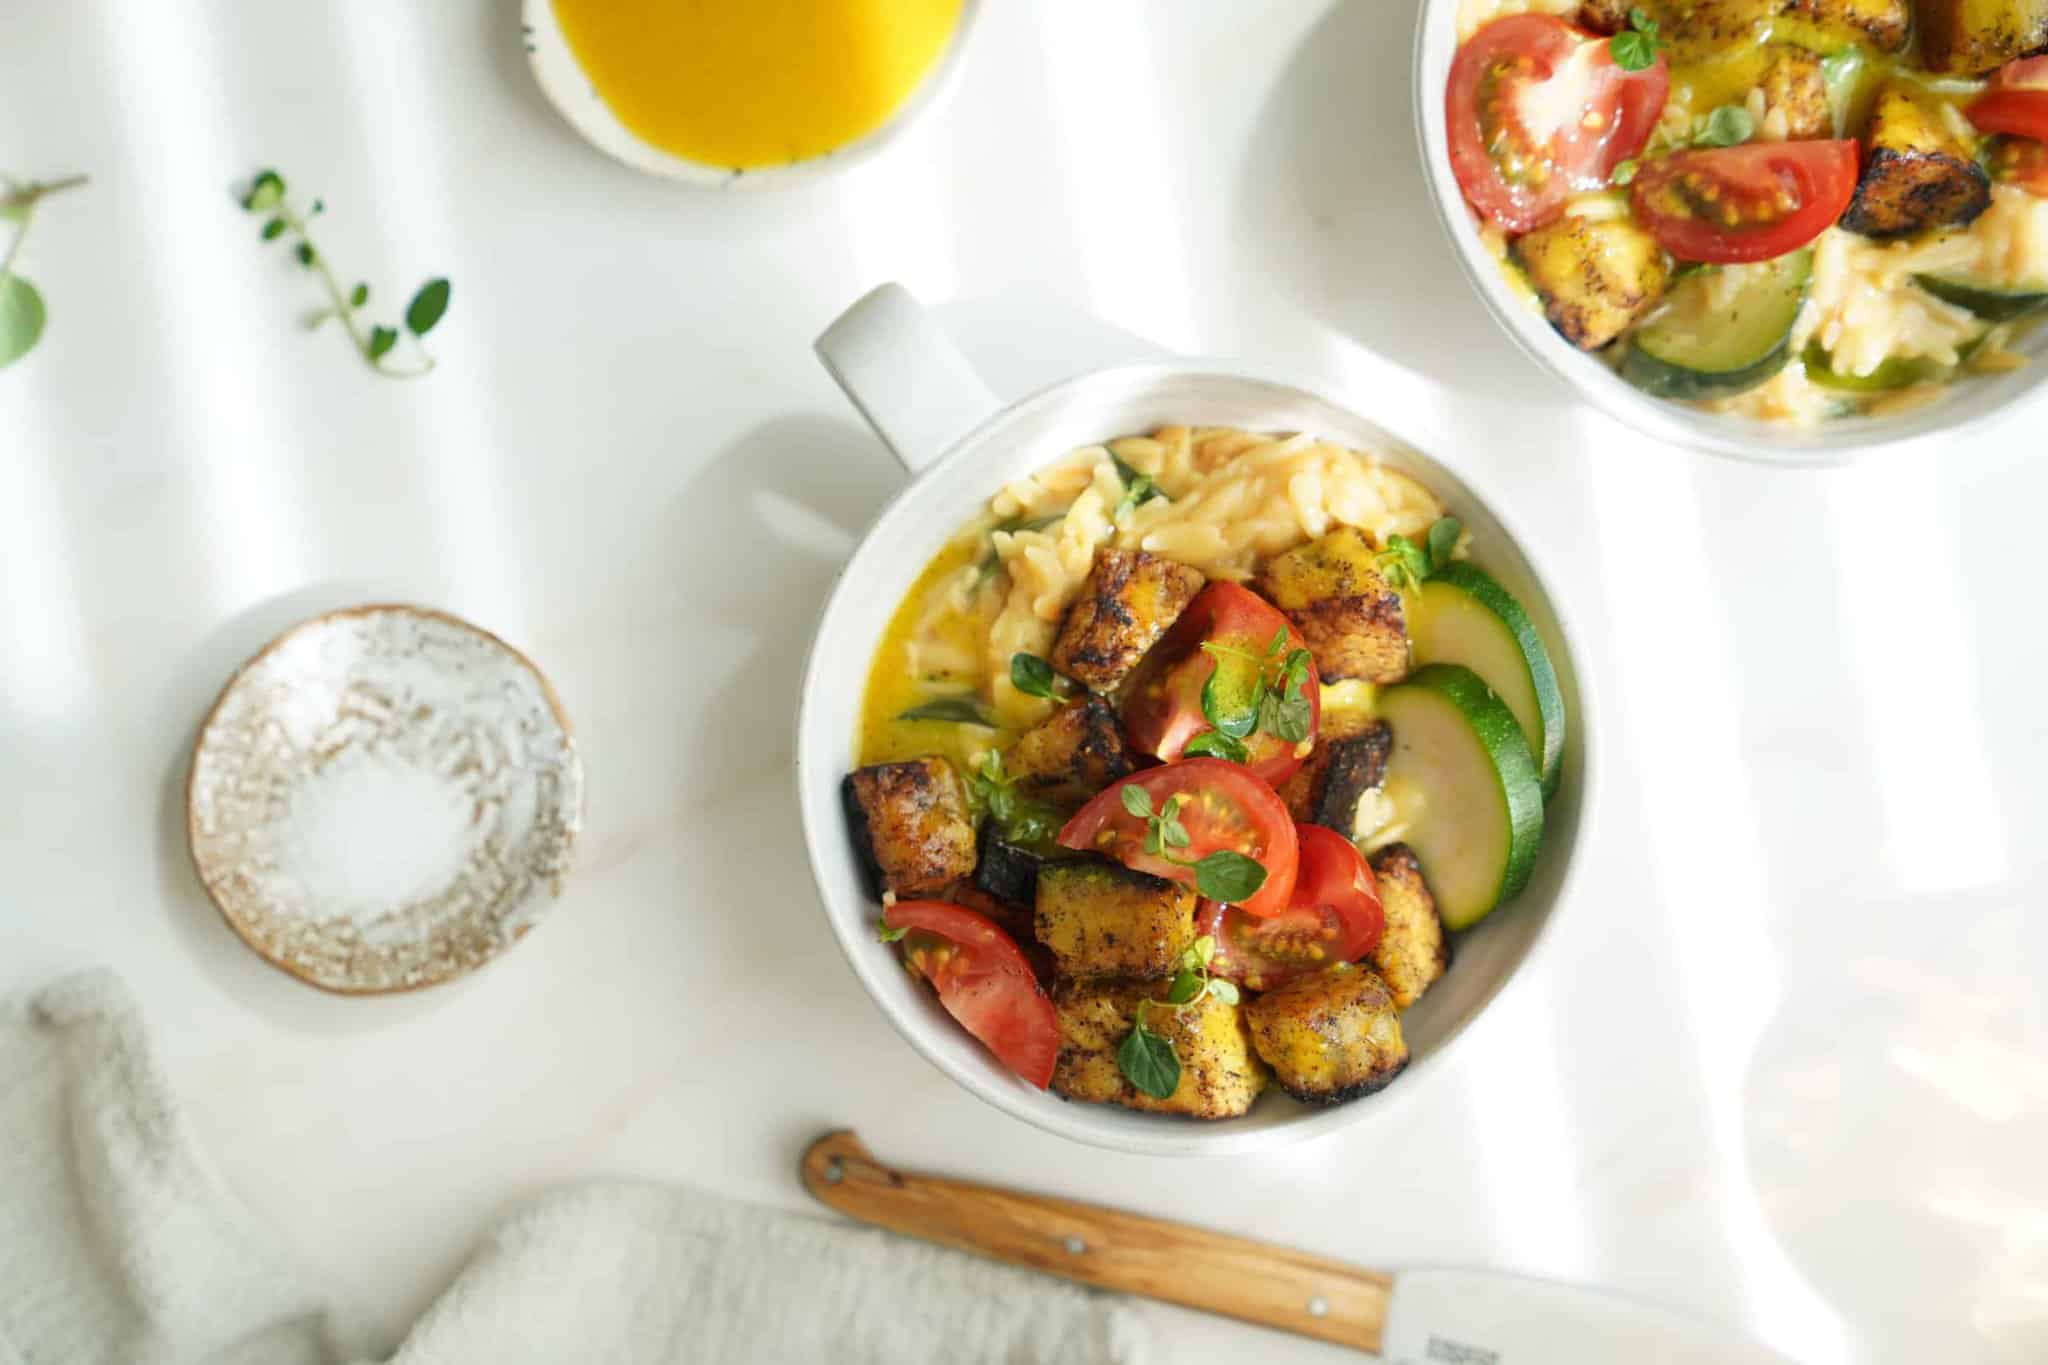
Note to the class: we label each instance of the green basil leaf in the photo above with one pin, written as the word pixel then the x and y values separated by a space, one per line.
pixel 1728 126
pixel 1633 50
pixel 1225 991
pixel 1229 877
pixel 1148 1062
pixel 1287 717
pixel 1442 540
pixel 1216 744
pixel 960 710
pixel 1031 675
pixel 1186 986
pixel 22 316
pixel 426 307
pixel 1136 800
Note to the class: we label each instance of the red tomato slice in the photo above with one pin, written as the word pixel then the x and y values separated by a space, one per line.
pixel 1334 916
pixel 1224 809
pixel 2016 102
pixel 1163 708
pixel 1536 109
pixel 983 981
pixel 2020 161
pixel 1728 205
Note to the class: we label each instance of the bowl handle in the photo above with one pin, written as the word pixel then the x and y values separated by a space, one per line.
pixel 905 375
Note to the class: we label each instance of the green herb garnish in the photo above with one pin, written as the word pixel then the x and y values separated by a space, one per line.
pixel 1731 125
pixel 1216 744
pixel 888 932
pixel 1405 565
pixel 1635 47
pixel 1147 1060
pixel 1274 701
pixel 1138 488
pixel 22 311
pixel 1033 676
pixel 959 710
pixel 266 198
pixel 1023 821
pixel 1223 876
pixel 1625 172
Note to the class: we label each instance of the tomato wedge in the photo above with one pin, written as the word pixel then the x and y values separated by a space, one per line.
pixel 1755 202
pixel 1221 808
pixel 1334 916
pixel 983 981
pixel 2016 102
pixel 1210 672
pixel 1535 109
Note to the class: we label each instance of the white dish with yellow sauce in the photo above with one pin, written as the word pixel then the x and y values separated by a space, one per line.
pixel 965 448
pixel 756 95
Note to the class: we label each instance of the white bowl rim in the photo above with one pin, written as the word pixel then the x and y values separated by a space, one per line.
pixel 1185 1137
pixel 1832 442
pixel 562 79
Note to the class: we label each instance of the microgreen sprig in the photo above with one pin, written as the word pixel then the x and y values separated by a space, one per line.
pixel 1145 1057
pixel 1023 821
pixel 1635 47
pixel 1276 702
pixel 1405 565
pixel 22 310
pixel 1224 875
pixel 266 198
pixel 1139 489
pixel 1730 125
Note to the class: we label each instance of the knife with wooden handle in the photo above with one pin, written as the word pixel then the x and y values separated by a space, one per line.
pixel 1416 1317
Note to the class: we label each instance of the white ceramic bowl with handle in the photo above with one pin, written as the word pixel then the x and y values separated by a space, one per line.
pixel 1831 442
pixel 961 444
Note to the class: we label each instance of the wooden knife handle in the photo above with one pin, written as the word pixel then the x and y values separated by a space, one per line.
pixel 1234 1276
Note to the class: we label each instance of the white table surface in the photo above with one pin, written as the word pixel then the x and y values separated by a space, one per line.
pixel 1781 1062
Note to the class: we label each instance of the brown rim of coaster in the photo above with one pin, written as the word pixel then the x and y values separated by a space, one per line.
pixel 363 609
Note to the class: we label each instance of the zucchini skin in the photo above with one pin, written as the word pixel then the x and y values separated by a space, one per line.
pixel 1993 305
pixel 1662 379
pixel 1476 583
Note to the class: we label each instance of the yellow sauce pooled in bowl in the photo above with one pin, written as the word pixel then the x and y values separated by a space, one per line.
pixel 748 84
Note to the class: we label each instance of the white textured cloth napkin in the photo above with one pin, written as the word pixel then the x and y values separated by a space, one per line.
pixel 117 1247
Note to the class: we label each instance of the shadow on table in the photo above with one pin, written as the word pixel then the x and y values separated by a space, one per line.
pixel 1336 209
pixel 1915 1115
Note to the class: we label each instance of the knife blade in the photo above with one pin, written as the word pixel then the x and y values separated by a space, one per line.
pixel 1415 1317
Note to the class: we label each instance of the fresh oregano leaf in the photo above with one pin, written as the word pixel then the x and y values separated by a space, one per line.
pixel 1224 991
pixel 1148 1062
pixel 359 296
pixel 1633 51
pixel 1186 986
pixel 1625 172
pixel 1203 950
pixel 273 229
pixel 22 316
pixel 1136 800
pixel 1286 717
pixel 889 933
pixel 1031 675
pixel 1229 877
pixel 960 710
pixel 266 192
pixel 426 307
pixel 304 251
pixel 1728 126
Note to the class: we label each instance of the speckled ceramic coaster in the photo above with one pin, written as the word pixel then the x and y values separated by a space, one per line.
pixel 383 799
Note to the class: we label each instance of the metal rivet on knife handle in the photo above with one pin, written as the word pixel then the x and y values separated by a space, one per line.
pixel 1318 1307
pixel 1075 1246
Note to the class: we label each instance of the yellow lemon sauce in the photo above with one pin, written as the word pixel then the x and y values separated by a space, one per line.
pixel 755 83
pixel 932 613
